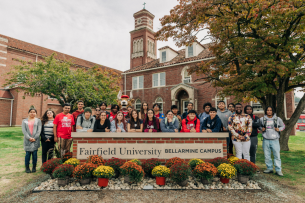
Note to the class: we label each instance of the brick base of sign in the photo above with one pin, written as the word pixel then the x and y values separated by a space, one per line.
pixel 151 141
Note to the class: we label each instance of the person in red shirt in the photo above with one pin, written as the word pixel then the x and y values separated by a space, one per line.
pixel 151 123
pixel 114 110
pixel 62 129
pixel 80 110
pixel 191 123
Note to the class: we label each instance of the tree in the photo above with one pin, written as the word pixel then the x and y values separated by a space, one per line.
pixel 258 47
pixel 66 83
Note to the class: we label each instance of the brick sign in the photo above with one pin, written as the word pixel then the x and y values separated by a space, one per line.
pixel 147 151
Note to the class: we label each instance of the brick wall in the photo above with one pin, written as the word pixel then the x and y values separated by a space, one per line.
pixel 5 106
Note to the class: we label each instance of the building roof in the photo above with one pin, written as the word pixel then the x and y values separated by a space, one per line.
pixel 25 46
pixel 6 94
pixel 180 58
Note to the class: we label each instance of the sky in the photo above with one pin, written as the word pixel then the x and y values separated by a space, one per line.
pixel 94 30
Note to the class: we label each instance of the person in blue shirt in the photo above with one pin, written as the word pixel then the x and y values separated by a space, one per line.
pixel 206 109
pixel 212 123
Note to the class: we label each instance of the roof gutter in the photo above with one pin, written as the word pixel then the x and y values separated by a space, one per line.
pixel 188 62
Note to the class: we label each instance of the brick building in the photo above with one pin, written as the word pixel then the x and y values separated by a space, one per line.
pixel 166 80
pixel 14 105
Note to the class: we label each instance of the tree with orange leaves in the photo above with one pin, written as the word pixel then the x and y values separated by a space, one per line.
pixel 258 47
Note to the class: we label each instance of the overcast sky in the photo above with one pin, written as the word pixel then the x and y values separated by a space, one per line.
pixel 94 30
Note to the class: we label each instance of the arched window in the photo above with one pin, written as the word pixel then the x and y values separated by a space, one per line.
pixel 138 105
pixel 186 78
pixel 159 101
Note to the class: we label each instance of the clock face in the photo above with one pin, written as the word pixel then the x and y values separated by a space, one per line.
pixel 139 20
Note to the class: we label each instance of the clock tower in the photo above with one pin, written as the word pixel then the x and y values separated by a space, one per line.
pixel 142 41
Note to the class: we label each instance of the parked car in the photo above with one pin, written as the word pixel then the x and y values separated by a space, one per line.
pixel 301 123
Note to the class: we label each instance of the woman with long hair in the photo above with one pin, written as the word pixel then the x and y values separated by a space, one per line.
pixel 135 124
pixel 129 110
pixel 151 123
pixel 143 111
pixel 118 124
pixel 102 124
pixel 47 134
pixel 114 110
pixel 31 128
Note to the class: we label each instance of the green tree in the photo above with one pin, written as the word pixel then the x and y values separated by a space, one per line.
pixel 258 47
pixel 65 82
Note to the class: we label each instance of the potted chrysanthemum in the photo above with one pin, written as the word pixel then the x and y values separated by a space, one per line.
pixel 226 172
pixel 84 172
pixel 61 172
pixel 103 173
pixel 205 172
pixel 133 172
pixel 161 173
pixel 179 173
pixel 115 163
pixel 245 170
pixel 194 162
pixel 149 164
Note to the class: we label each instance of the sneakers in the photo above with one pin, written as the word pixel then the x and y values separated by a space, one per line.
pixel 268 171
pixel 279 173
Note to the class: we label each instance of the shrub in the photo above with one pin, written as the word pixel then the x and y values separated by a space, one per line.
pixel 232 159
pixel 63 170
pixel 194 162
pixel 73 161
pixel 67 156
pixel 48 166
pixel 180 171
pixel 226 170
pixel 84 170
pixel 205 171
pixel 136 161
pixel 172 161
pixel 149 164
pixel 103 172
pixel 161 171
pixel 133 170
pixel 245 167
pixel 219 160
pixel 115 163
pixel 95 159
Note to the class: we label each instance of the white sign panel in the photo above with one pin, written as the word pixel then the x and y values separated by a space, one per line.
pixel 147 151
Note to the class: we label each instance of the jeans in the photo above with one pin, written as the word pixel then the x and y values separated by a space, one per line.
pixel 242 148
pixel 28 157
pixel 45 148
pixel 273 145
pixel 253 149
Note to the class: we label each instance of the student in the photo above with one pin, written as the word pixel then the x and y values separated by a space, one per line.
pixel 103 107
pixel 224 115
pixel 206 109
pixel 191 123
pixel 47 134
pixel 114 110
pixel 170 123
pixel 151 123
pixel 231 108
pixel 212 123
pixel 240 126
pixel 157 114
pixel 102 124
pixel 31 128
pixel 174 109
pixel 80 110
pixel 190 106
pixel 129 110
pixel 85 122
pixel 271 126
pixel 97 113
pixel 143 112
pixel 118 124
pixel 62 129
pixel 253 138
pixel 135 124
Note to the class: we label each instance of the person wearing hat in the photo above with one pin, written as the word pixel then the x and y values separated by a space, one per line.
pixel 85 122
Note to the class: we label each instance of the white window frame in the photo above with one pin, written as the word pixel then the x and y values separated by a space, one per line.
pixel 159 80
pixel 183 102
pixel 188 51
pixel 217 98
pixel 138 101
pixel 138 82
pixel 260 111
pixel 162 103
pixel 183 74
pixel 162 56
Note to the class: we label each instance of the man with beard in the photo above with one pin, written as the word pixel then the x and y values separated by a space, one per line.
pixel 240 125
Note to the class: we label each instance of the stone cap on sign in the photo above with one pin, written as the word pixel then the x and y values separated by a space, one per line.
pixel 148 135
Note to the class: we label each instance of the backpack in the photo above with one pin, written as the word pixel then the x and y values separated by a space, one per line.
pixel 274 122
pixel 82 119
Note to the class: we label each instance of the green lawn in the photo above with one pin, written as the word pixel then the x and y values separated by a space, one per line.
pixel 12 173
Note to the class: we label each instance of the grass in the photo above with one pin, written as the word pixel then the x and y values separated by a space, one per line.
pixel 12 155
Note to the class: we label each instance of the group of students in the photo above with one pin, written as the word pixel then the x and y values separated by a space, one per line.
pixel 242 126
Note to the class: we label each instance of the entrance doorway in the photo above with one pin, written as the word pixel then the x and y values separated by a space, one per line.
pixel 183 100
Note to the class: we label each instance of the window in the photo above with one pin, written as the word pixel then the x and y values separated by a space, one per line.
pixel 158 79
pixel 299 120
pixel 159 101
pixel 185 103
pixel 163 56
pixel 186 77
pixel 190 51
pixel 257 107
pixel 137 82
pixel 138 105
pixel 218 99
